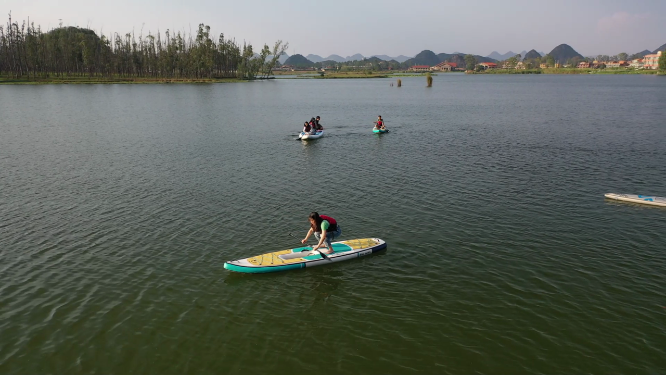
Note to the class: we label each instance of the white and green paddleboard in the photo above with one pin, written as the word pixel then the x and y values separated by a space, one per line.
pixel 642 199
pixel 304 257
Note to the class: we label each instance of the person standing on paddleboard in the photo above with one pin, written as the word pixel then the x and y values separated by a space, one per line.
pixel 325 229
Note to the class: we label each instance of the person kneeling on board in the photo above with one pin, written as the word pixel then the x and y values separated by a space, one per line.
pixel 379 124
pixel 313 125
pixel 306 128
pixel 325 229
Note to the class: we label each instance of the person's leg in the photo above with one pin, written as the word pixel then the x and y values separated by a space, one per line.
pixel 328 240
pixel 336 234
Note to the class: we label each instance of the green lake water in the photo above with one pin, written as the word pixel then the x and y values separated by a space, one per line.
pixel 121 203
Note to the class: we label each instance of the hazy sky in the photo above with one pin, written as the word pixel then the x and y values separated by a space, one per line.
pixel 373 27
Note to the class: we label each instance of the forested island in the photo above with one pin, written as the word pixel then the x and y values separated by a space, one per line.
pixel 71 54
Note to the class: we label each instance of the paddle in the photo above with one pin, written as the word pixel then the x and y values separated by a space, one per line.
pixel 307 243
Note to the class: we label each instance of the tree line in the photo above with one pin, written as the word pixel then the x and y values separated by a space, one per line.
pixel 28 52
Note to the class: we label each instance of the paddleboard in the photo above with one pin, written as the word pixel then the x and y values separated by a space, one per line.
pixel 305 136
pixel 304 257
pixel 379 130
pixel 642 199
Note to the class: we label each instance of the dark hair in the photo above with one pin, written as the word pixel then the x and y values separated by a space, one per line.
pixel 318 117
pixel 317 220
pixel 306 123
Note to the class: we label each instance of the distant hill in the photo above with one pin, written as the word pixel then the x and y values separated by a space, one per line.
pixel 532 54
pixel 458 58
pixel 425 57
pixel 564 52
pixel 499 57
pixel 641 54
pixel 357 56
pixel 399 59
pixel 336 58
pixel 314 58
pixel 662 48
pixel 326 63
pixel 383 57
pixel 299 61
pixel 282 58
pixel 374 59
pixel 459 55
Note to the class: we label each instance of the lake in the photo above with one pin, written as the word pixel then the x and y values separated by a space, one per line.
pixel 121 203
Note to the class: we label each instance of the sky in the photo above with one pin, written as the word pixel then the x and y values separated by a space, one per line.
pixel 375 27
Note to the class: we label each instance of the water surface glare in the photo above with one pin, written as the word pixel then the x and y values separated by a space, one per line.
pixel 120 204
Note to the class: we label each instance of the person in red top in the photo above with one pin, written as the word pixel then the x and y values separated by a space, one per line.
pixel 325 229
pixel 379 124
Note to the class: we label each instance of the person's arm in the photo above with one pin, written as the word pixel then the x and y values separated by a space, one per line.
pixel 307 236
pixel 321 240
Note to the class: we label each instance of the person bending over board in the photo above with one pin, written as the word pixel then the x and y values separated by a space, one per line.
pixel 325 229
pixel 379 124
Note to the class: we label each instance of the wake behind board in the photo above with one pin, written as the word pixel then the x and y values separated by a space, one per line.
pixel 305 136
pixel 642 199
pixel 304 257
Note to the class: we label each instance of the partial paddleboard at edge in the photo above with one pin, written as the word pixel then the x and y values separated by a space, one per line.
pixel 641 199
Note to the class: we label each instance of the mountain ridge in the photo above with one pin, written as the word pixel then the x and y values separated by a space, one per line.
pixel 564 52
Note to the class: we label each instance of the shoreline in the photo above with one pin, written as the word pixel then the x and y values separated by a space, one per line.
pixel 4 80
pixel 74 80
pixel 569 71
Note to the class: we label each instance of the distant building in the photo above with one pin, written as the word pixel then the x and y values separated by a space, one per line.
pixel 488 65
pixel 583 65
pixel 285 68
pixel 651 61
pixel 637 64
pixel 445 67
pixel 543 66
pixel 419 68
pixel 616 64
